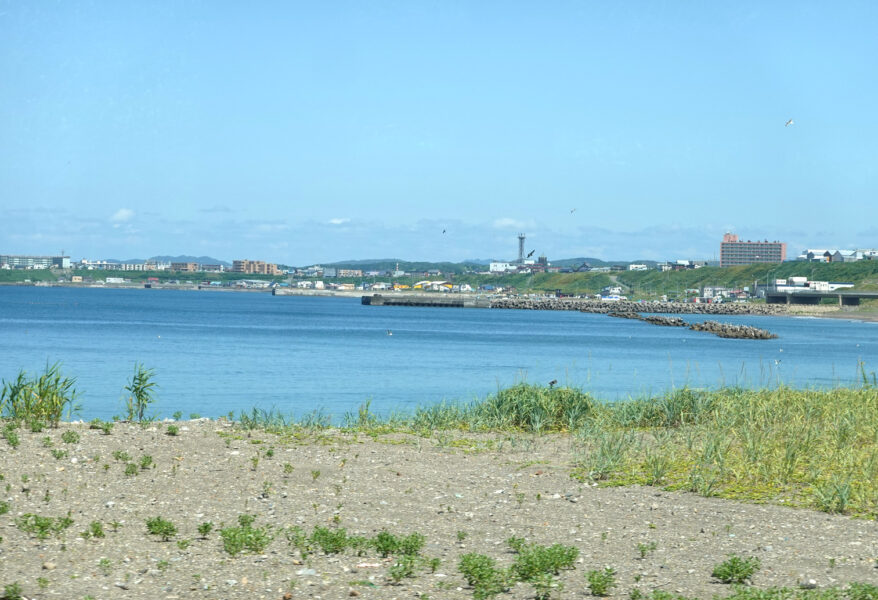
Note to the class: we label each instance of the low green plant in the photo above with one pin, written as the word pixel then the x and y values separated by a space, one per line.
pixel 516 543
pixel 533 560
pixel 601 582
pixel 121 455
pixel 70 437
pixel 11 437
pixel 385 543
pixel 146 462
pixel 245 537
pixel 330 541
pixel 736 569
pixel 42 527
pixel 403 567
pixel 482 574
pixel 130 469
pixel 177 415
pixel 645 549
pixel 12 591
pixel 105 566
pixel 299 539
pixel 160 527
pixel 4 507
pixel 173 430
pixel 288 468
pixel 59 454
pixel 95 530
pixel 183 544
pixel 204 529
pixel 411 544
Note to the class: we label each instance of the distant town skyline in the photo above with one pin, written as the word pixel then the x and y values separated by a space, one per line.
pixel 308 133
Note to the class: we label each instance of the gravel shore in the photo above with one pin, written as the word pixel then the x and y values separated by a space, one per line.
pixel 463 493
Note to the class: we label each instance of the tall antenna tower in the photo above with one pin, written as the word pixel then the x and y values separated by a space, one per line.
pixel 521 248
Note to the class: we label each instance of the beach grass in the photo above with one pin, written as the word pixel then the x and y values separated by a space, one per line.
pixel 812 448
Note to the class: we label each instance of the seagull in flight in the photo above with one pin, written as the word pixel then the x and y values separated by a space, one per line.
pixel 443 231
pixel 788 123
pixel 572 210
pixel 553 382
pixel 531 253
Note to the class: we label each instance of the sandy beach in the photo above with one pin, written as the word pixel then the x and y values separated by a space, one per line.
pixel 464 494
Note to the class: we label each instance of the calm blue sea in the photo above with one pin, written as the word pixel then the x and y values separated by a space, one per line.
pixel 216 352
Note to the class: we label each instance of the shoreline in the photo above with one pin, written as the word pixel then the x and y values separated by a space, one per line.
pixel 808 311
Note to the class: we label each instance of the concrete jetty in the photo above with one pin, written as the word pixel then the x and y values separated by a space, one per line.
pixel 435 300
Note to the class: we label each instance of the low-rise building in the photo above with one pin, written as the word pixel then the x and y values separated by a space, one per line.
pixel 24 261
pixel 184 267
pixel 252 267
pixel 501 267
pixel 349 272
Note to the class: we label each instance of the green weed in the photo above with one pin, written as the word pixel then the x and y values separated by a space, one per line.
pixel 70 437
pixel 161 527
pixel 141 392
pixel 245 537
pixel 736 569
pixel 601 582
pixel 42 527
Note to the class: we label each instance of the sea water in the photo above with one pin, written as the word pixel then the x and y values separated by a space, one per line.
pixel 214 352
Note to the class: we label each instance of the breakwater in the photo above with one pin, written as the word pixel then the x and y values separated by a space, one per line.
pixel 601 307
pixel 723 330
pixel 727 330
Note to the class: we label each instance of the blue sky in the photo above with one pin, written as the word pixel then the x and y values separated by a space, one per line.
pixel 312 132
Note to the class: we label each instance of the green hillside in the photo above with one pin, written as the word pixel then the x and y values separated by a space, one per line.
pixel 864 274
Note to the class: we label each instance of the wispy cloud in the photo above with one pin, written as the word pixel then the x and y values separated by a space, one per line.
pixel 509 223
pixel 338 221
pixel 122 215
pixel 217 209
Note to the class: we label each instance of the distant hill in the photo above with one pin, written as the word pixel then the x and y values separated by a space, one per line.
pixel 479 264
pixel 201 260
pixel 597 262
pixel 388 264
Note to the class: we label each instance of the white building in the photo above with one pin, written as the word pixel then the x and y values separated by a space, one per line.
pixel 501 267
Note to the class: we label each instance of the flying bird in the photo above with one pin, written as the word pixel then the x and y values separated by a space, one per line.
pixel 443 231
pixel 572 210
pixel 389 332
pixel 553 382
pixel 788 123
pixel 531 253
